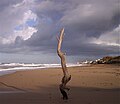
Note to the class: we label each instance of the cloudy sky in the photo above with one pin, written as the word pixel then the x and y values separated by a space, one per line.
pixel 28 29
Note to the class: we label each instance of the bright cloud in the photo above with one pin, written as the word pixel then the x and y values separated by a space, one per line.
pixel 111 38
pixel 28 15
pixel 21 23
pixel 25 33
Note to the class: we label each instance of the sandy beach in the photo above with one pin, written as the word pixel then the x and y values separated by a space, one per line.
pixel 94 84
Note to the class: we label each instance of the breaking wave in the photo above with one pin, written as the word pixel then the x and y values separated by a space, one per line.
pixel 6 68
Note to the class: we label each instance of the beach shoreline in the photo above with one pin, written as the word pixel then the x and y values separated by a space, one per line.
pixel 14 67
pixel 94 84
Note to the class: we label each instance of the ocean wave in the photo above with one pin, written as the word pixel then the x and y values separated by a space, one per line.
pixel 6 68
pixel 23 66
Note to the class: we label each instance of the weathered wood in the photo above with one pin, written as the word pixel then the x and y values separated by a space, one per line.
pixel 66 76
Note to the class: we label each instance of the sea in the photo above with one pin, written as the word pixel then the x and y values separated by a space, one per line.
pixel 8 68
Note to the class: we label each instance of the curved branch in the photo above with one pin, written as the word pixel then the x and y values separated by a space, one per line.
pixel 66 78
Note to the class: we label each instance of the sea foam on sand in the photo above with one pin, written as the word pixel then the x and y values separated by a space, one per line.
pixel 12 67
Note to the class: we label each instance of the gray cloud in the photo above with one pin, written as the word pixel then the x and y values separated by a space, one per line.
pixel 84 21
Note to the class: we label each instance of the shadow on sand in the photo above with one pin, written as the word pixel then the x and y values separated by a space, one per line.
pixel 51 95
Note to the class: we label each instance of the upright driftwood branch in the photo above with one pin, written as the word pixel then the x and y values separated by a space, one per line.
pixel 66 76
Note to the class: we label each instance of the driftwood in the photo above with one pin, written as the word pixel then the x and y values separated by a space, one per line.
pixel 66 76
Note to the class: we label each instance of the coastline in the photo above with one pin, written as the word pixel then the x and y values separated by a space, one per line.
pixel 97 84
pixel 14 67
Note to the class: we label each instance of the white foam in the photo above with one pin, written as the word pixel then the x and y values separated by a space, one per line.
pixel 72 65
pixel 12 67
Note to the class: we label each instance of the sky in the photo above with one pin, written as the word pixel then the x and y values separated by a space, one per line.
pixel 28 30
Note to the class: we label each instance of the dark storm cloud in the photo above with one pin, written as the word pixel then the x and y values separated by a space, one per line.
pixel 83 20
pixel 92 18
pixel 92 50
